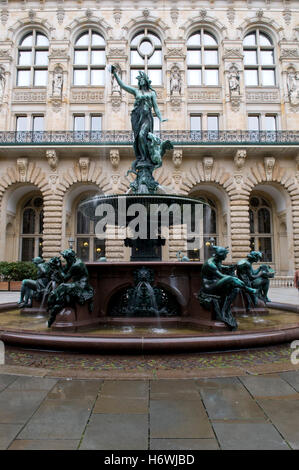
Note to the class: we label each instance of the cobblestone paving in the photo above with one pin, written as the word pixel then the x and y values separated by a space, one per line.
pixel 50 360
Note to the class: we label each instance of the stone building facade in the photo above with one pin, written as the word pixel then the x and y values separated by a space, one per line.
pixel 227 78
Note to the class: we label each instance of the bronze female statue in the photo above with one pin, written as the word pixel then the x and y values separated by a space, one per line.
pixel 143 128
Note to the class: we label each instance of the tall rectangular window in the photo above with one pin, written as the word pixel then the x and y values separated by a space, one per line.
pixel 253 122
pixel 37 128
pixel 95 122
pixel 213 122
pixel 95 127
pixel 79 122
pixel 213 127
pixel 38 123
pixel 195 126
pixel 21 125
pixel 254 127
pixel 270 124
pixel 195 122
pixel 21 128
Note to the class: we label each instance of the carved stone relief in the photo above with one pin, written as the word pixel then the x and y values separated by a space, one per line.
pixel 52 158
pixel 22 165
pixel 269 163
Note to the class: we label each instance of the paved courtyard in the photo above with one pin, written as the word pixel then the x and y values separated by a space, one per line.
pixel 251 412
pixel 233 400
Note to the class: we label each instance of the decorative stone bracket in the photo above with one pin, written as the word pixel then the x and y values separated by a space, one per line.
pixel 114 158
pixel 269 163
pixel 22 165
pixel 208 163
pixel 52 159
pixel 84 163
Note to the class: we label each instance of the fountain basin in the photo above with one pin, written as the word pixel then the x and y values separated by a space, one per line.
pixel 276 327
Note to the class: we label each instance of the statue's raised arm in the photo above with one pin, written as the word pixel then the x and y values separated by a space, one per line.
pixel 125 87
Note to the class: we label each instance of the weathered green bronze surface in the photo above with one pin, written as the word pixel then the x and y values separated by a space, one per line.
pixel 149 149
pixel 69 293
pixel 219 287
pixel 144 299
pixel 258 278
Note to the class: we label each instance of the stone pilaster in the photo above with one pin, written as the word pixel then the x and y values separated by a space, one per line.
pixel 177 241
pixel 52 225
pixel 114 245
pixel 240 229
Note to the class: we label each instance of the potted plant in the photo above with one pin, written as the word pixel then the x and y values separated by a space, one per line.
pixel 15 272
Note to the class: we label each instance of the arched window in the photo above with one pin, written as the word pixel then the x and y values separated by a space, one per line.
pixel 89 59
pixel 259 59
pixel 261 234
pixel 146 55
pixel 32 228
pixel 88 246
pixel 209 231
pixel 32 68
pixel 202 59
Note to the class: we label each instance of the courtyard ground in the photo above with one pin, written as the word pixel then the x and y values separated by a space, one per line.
pixel 220 400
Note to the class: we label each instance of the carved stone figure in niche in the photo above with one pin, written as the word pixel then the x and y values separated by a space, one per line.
pixel 234 81
pixel 57 82
pixel 293 86
pixel 175 81
pixel 2 83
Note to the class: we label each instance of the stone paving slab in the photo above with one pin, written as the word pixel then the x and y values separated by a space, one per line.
pixel 284 414
pixel 292 378
pixel 8 432
pixel 179 419
pixel 184 444
pixel 62 444
pixel 252 412
pixel 269 385
pixel 32 383
pixel 116 431
pixel 83 390
pixel 17 406
pixel 123 397
pixel 249 436
pixel 226 398
pixel 174 389
pixel 6 380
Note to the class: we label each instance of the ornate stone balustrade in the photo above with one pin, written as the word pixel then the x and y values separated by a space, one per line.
pixel 178 137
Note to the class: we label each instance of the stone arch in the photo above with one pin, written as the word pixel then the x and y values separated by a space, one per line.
pixel 91 173
pixel 208 171
pixel 83 22
pixel 28 173
pixel 157 24
pixel 20 27
pixel 204 21
pixel 267 24
pixel 284 178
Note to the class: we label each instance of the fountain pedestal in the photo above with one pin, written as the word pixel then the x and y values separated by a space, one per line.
pixel 181 280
